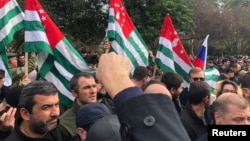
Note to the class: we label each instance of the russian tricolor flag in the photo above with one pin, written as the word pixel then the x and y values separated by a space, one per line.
pixel 201 56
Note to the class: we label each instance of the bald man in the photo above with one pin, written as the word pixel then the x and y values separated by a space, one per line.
pixel 156 87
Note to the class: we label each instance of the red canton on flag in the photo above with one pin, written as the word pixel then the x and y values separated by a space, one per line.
pixel 58 60
pixel 124 37
pixel 171 55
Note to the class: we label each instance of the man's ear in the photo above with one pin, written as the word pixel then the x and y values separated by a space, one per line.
pixel 82 133
pixel 217 117
pixel 24 113
pixel 172 90
pixel 74 93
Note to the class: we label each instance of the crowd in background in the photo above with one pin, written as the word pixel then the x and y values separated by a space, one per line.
pixel 111 105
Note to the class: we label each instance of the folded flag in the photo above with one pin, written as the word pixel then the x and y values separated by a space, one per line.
pixel 124 37
pixel 58 60
pixel 171 55
pixel 11 21
pixel 201 57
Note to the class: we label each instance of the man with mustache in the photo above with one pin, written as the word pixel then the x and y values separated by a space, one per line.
pixel 39 110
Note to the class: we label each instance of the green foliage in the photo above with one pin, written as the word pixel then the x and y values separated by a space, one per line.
pixel 148 17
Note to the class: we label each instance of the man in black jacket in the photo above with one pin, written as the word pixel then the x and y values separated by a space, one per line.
pixel 39 110
pixel 142 116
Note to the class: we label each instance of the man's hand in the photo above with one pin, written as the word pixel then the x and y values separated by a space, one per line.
pixel 7 120
pixel 113 72
pixel 26 80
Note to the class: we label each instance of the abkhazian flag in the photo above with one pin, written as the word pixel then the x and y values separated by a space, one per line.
pixel 11 21
pixel 171 55
pixel 58 60
pixel 125 38
pixel 212 76
pixel 201 57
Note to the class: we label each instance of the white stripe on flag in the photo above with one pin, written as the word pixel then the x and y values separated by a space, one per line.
pixel 6 8
pixel 31 15
pixel 64 72
pixel 7 28
pixel 212 72
pixel 166 43
pixel 165 60
pixel 211 83
pixel 61 88
pixel 7 80
pixel 41 57
pixel 139 43
pixel 126 42
pixel 182 64
pixel 71 56
pixel 111 12
pixel 116 47
pixel 35 36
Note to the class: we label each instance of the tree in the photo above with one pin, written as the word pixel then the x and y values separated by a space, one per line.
pixel 148 17
pixel 225 22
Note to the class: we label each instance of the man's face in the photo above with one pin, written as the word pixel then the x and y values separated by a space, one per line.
pixel 234 116
pixel 45 112
pixel 13 62
pixel 227 64
pixel 200 76
pixel 87 91
pixel 176 92
pixel 21 59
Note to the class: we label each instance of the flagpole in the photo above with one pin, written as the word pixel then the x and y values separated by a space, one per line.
pixel 154 72
pixel 26 64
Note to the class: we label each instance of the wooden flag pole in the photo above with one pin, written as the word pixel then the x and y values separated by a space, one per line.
pixel 154 72
pixel 26 63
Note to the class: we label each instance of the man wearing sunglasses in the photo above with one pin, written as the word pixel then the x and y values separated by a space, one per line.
pixel 195 74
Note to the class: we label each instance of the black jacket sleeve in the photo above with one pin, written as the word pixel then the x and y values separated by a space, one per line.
pixel 150 117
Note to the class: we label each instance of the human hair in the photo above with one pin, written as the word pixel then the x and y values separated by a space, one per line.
pixel 74 80
pixel 2 73
pixel 245 81
pixel 195 70
pixel 224 60
pixel 221 104
pixel 197 91
pixel 223 83
pixel 39 87
pixel 140 72
pixel 172 80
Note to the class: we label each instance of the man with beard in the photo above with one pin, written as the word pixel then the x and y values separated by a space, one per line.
pixel 103 97
pixel 39 110
pixel 195 117
pixel 174 84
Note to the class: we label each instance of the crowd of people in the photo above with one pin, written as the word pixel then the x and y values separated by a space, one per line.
pixel 112 105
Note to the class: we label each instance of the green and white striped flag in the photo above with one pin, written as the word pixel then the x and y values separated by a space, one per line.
pixel 11 21
pixel 171 56
pixel 124 37
pixel 58 60
pixel 212 76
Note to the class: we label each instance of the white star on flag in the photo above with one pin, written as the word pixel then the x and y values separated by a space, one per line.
pixel 43 18
pixel 41 11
